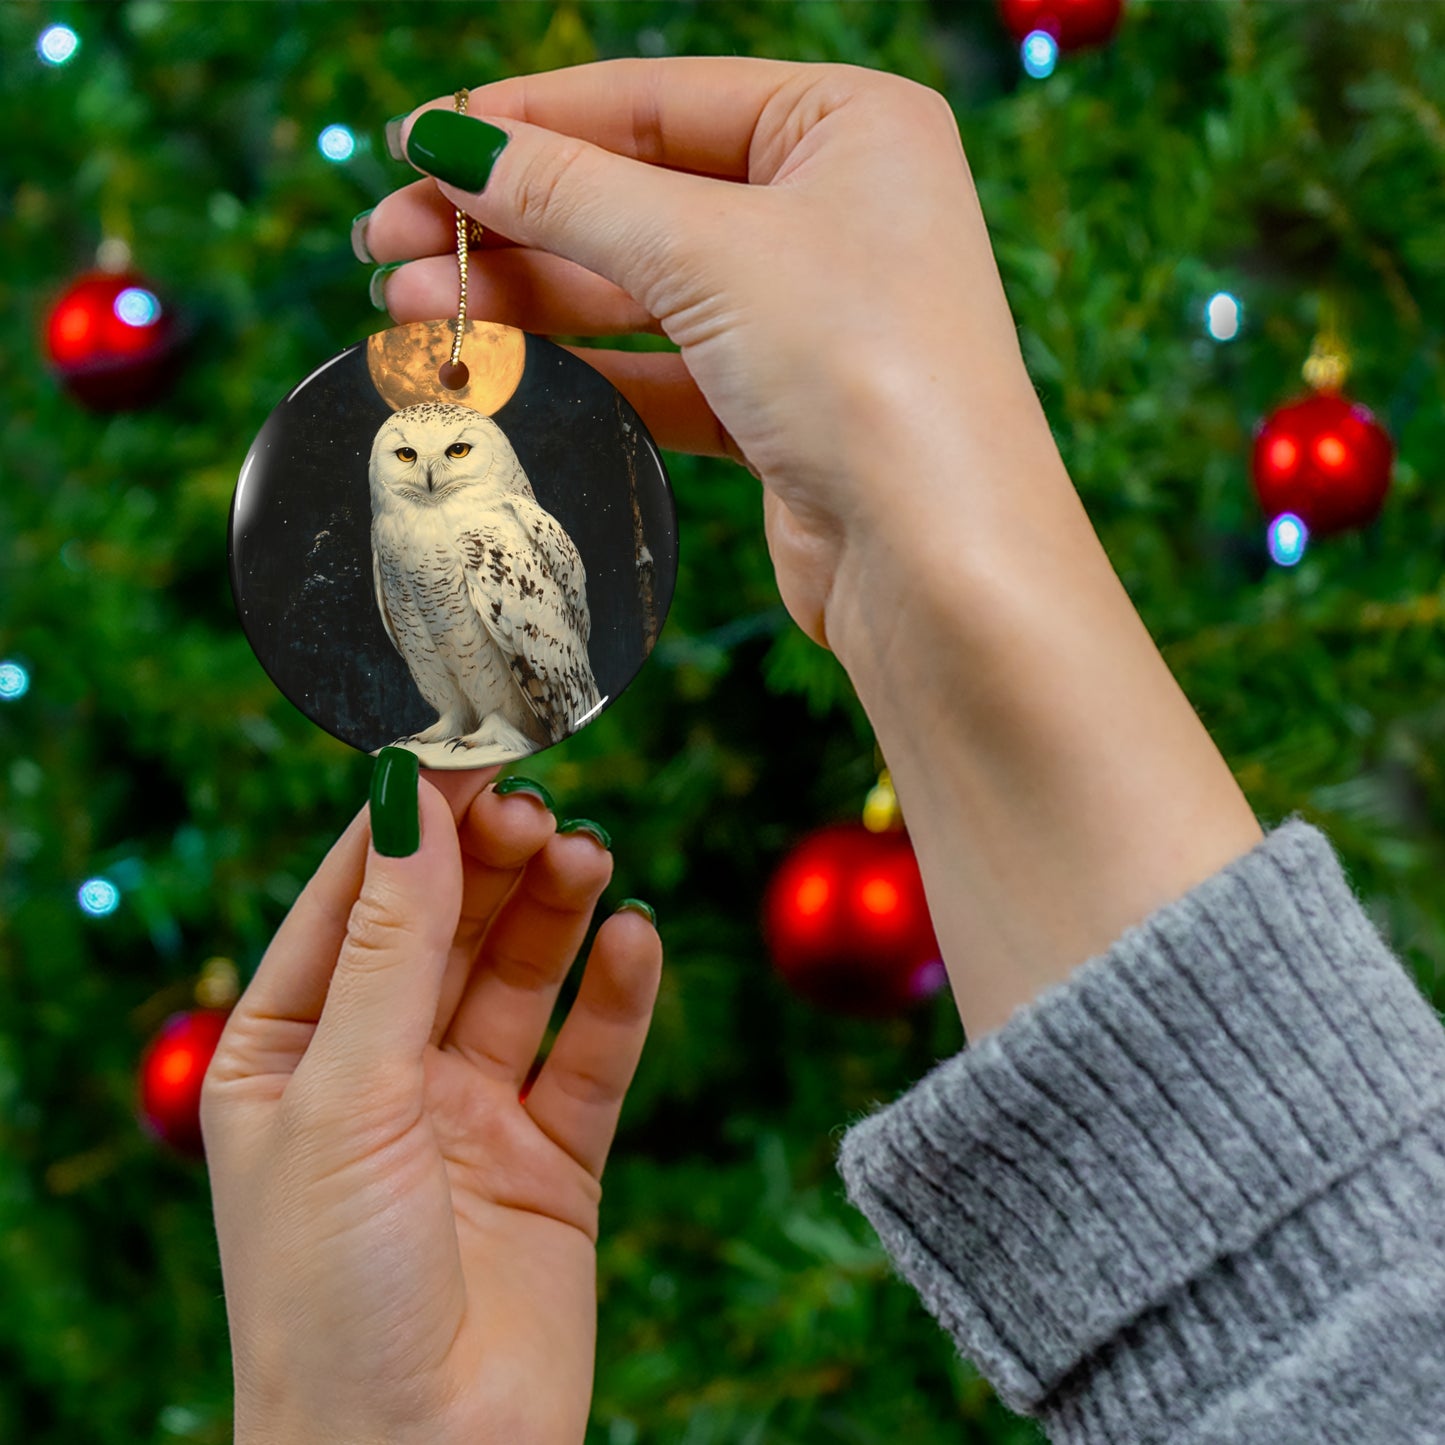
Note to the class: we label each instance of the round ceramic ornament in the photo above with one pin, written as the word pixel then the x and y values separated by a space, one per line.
pixel 470 569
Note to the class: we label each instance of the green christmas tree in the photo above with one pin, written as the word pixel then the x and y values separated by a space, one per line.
pixel 1289 155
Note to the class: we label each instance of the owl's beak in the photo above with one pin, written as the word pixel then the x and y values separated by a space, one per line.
pixel 429 480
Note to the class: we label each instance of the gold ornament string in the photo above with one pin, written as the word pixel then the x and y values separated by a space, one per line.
pixel 453 373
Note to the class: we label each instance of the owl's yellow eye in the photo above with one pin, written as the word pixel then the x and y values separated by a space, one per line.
pixel 459 449
pixel 406 454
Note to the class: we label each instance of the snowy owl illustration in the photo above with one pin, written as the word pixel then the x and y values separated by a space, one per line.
pixel 480 588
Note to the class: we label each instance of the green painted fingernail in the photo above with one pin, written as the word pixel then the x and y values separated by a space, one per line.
pixel 359 248
pixel 377 289
pixel 636 905
pixel 455 148
pixel 525 785
pixel 586 825
pixel 395 809
pixel 393 137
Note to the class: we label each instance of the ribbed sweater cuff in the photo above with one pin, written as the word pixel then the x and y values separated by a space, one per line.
pixel 1172 1108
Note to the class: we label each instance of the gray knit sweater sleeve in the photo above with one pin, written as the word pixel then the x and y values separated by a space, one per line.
pixel 1196 1192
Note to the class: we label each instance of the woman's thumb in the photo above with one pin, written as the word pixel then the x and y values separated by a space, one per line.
pixel 382 999
pixel 621 218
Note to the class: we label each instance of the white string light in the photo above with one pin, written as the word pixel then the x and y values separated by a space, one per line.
pixel 98 897
pixel 1223 316
pixel 14 681
pixel 57 44
pixel 336 143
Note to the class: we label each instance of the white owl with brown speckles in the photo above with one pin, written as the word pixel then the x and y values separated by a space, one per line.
pixel 480 589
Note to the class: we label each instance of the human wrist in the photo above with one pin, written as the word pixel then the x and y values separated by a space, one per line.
pixel 268 1428
pixel 1057 783
pixel 956 490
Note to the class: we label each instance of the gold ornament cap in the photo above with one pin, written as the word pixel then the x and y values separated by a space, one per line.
pixel 881 813
pixel 1328 365
pixel 219 985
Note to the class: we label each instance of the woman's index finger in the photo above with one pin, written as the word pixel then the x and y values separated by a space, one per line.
pixel 687 113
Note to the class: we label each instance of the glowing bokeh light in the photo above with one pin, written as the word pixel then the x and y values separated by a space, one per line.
pixel 138 307
pixel 57 44
pixel 1288 536
pixel 14 681
pixel 1331 451
pixel 812 894
pixel 73 325
pixel 336 143
pixel 929 978
pixel 177 1066
pixel 1283 454
pixel 879 897
pixel 98 897
pixel 1223 316
pixel 1040 54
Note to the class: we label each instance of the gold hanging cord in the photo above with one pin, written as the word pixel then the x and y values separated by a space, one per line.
pixel 453 373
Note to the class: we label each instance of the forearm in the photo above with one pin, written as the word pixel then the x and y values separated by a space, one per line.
pixel 1056 782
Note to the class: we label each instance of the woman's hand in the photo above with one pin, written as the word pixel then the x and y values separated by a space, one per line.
pixel 829 311
pixel 407 1246
pixel 810 237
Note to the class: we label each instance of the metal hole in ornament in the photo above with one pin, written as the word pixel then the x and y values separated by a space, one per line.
pixel 453 375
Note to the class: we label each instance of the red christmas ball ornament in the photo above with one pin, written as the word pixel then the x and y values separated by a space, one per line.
pixel 847 923
pixel 171 1072
pixel 1324 458
pixel 111 341
pixel 1074 24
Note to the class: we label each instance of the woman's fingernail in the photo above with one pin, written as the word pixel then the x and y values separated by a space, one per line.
pixel 636 905
pixel 359 247
pixel 377 288
pixel 395 808
pixel 393 137
pixel 586 825
pixel 455 148
pixel 508 786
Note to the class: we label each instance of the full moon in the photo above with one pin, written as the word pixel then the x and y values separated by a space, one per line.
pixel 404 362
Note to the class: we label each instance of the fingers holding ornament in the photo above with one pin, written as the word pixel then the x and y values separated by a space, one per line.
pixel 577 1096
pixel 661 389
pixel 502 1014
pixel 413 221
pixel 518 286
pixel 500 833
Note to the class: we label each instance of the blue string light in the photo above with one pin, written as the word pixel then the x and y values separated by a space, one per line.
pixel 1040 53
pixel 1288 537
pixel 336 143
pixel 14 681
pixel 137 307
pixel 98 897
pixel 57 44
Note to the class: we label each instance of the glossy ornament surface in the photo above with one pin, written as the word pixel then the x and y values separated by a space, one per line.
pixel 847 924
pixel 172 1070
pixel 1073 24
pixel 1326 460
pixel 112 341
pixel 472 573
